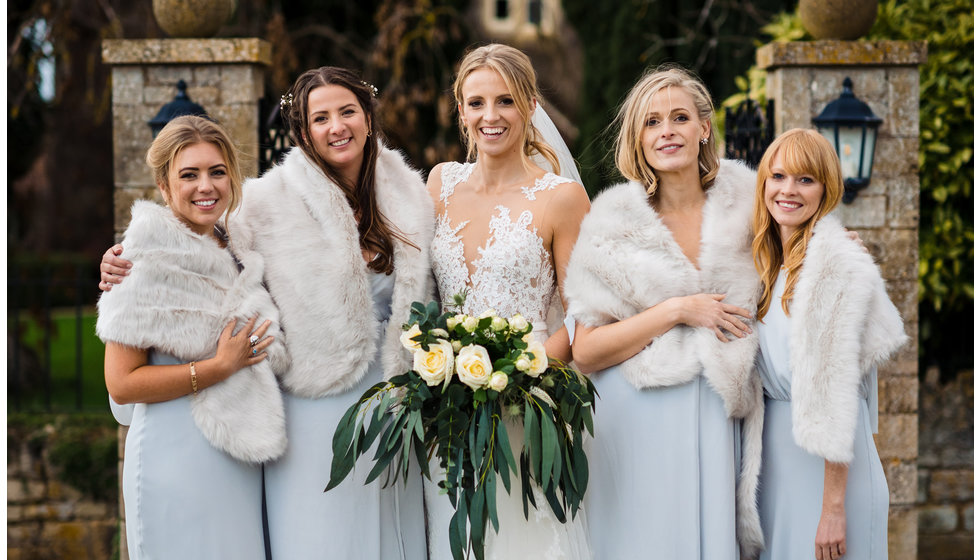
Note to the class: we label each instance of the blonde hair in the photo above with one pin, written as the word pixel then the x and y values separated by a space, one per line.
pixel 632 119
pixel 804 152
pixel 186 131
pixel 515 68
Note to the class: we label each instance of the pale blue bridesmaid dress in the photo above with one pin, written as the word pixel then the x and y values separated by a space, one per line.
pixel 791 480
pixel 353 520
pixel 183 497
pixel 662 470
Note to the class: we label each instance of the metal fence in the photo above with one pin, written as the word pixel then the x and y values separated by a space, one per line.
pixel 749 130
pixel 37 291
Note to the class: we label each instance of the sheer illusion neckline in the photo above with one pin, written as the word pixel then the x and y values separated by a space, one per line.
pixel 512 271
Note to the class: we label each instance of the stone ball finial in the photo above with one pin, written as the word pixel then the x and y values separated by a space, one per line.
pixel 193 18
pixel 845 20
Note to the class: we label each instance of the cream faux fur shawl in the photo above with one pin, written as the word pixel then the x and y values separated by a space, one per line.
pixel 304 228
pixel 182 290
pixel 843 326
pixel 627 260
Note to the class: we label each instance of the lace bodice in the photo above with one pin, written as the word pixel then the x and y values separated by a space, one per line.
pixel 513 272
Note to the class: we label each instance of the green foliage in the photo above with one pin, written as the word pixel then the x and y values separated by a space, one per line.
pixel 945 172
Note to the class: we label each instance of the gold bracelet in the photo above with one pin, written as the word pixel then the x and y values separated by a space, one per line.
pixel 193 378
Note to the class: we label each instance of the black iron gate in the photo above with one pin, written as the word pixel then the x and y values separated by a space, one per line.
pixel 748 131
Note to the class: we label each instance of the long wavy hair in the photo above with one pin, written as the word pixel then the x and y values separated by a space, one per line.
pixel 186 131
pixel 804 152
pixel 376 233
pixel 515 68
pixel 632 119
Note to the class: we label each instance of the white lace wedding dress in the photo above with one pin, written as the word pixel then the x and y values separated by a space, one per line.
pixel 504 266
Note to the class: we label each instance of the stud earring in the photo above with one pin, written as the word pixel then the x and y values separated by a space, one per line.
pixel 704 141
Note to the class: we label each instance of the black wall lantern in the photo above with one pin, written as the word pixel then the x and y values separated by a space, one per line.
pixel 852 129
pixel 180 106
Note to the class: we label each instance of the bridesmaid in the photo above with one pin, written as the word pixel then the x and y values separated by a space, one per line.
pixel 659 285
pixel 208 410
pixel 344 225
pixel 826 324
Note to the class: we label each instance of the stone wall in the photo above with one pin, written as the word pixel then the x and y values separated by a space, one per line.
pixel 47 517
pixel 945 498
pixel 802 78
pixel 225 76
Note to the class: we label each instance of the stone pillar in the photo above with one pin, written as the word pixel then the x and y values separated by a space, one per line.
pixel 225 76
pixel 802 77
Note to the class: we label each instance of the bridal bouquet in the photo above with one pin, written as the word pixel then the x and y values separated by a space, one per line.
pixel 469 375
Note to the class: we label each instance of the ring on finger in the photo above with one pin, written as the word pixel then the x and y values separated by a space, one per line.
pixel 255 351
pixel 253 340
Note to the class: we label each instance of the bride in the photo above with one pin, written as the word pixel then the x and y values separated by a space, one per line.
pixel 504 231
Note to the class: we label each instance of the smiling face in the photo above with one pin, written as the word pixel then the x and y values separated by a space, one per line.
pixel 791 199
pixel 199 188
pixel 672 132
pixel 338 128
pixel 491 117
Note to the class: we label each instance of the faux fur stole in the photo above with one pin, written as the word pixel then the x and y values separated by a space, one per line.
pixel 842 326
pixel 627 260
pixel 301 223
pixel 181 292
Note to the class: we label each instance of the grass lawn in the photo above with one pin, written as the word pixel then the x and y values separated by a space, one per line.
pixel 63 364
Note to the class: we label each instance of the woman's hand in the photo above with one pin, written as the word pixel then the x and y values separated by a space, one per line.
pixel 831 542
pixel 708 310
pixel 113 268
pixel 236 351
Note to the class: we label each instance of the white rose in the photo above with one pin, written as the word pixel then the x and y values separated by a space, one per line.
pixel 498 381
pixel 433 366
pixel 523 363
pixel 488 313
pixel 498 324
pixel 473 366
pixel 457 346
pixel 540 361
pixel 407 336
pixel 518 322
pixel 441 333
pixel 451 322
pixel 470 324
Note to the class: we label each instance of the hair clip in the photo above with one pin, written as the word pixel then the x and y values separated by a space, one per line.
pixel 374 90
pixel 285 101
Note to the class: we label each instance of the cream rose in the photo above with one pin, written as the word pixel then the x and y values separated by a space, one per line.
pixel 518 322
pixel 498 324
pixel 470 323
pixel 407 336
pixel 488 313
pixel 523 363
pixel 473 366
pixel 498 381
pixel 539 363
pixel 441 333
pixel 436 364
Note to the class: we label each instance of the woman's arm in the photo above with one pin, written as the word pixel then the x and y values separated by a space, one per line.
pixel 129 379
pixel 563 217
pixel 831 541
pixel 113 267
pixel 597 348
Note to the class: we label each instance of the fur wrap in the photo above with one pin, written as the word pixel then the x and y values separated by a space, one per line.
pixel 626 260
pixel 181 292
pixel 302 224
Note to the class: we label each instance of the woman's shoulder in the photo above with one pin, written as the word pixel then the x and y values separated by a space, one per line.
pixel 834 259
